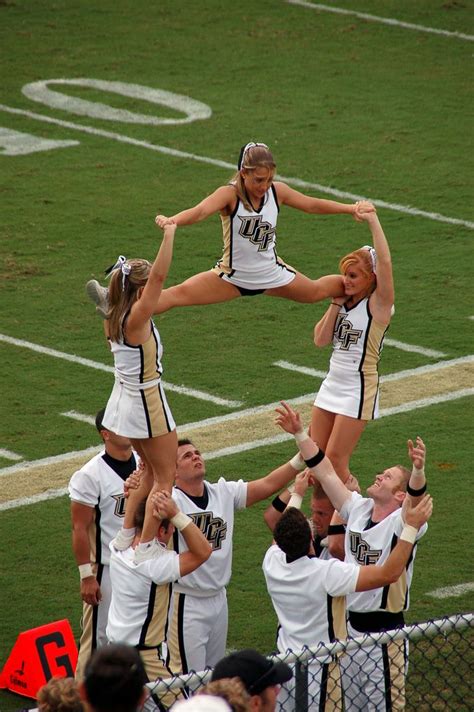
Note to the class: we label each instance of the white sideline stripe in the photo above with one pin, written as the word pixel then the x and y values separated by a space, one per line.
pixel 52 460
pixel 408 210
pixel 214 454
pixel 223 452
pixel 23 501
pixel 217 419
pixel 430 368
pixel 451 591
pixel 74 415
pixel 201 395
pixel 9 455
pixel 383 379
pixel 300 369
pixel 413 348
pixel 424 402
pixel 382 20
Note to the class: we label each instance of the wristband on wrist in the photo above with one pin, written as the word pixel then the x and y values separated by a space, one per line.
pixel 180 521
pixel 336 529
pixel 301 436
pixel 417 471
pixel 409 533
pixel 295 501
pixel 316 459
pixel 297 462
pixel 416 492
pixel 85 570
pixel 279 504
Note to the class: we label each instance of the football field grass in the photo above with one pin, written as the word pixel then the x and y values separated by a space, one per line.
pixel 112 112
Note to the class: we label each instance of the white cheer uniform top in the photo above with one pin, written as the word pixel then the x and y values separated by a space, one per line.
pixel 358 339
pixel 98 485
pixel 136 365
pixel 373 546
pixel 301 593
pixel 138 596
pixel 249 257
pixel 216 520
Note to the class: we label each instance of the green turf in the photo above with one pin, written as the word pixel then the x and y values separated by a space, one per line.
pixel 359 106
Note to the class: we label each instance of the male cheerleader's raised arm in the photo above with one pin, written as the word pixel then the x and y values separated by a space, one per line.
pixel 320 465
pixel 417 483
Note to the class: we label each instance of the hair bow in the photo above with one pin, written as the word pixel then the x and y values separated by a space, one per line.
pixel 373 257
pixel 244 150
pixel 123 265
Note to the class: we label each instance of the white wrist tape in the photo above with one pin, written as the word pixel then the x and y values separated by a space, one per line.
pixel 295 501
pixel 291 488
pixel 301 436
pixel 85 570
pixel 297 462
pixel 409 534
pixel 417 472
pixel 180 521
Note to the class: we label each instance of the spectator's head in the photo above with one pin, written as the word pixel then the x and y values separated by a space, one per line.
pixel 114 679
pixel 321 512
pixel 262 677
pixel 292 533
pixel 232 690
pixel 60 694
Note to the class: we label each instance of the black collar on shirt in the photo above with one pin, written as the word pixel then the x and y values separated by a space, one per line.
pixel 202 501
pixel 123 468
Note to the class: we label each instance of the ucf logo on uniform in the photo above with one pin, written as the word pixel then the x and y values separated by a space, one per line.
pixel 119 504
pixel 345 333
pixel 257 231
pixel 361 551
pixel 213 528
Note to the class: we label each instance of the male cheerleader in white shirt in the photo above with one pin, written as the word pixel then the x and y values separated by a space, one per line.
pixel 97 512
pixel 197 622
pixel 140 592
pixel 301 587
pixel 373 677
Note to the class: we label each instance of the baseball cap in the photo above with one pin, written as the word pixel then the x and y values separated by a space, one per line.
pixel 256 672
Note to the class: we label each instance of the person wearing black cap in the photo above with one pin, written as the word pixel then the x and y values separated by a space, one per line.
pixel 262 677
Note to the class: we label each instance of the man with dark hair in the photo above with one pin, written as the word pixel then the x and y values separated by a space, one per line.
pixel 373 676
pixel 114 680
pixel 140 592
pixel 197 623
pixel 97 511
pixel 301 587
pixel 262 677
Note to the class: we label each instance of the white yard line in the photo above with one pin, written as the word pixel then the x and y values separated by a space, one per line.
pixel 383 379
pixel 9 455
pixel 214 454
pixel 192 392
pixel 300 369
pixel 406 209
pixel 80 417
pixel 412 348
pixel 451 591
pixel 381 20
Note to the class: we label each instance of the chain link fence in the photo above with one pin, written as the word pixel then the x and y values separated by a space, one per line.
pixel 427 667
